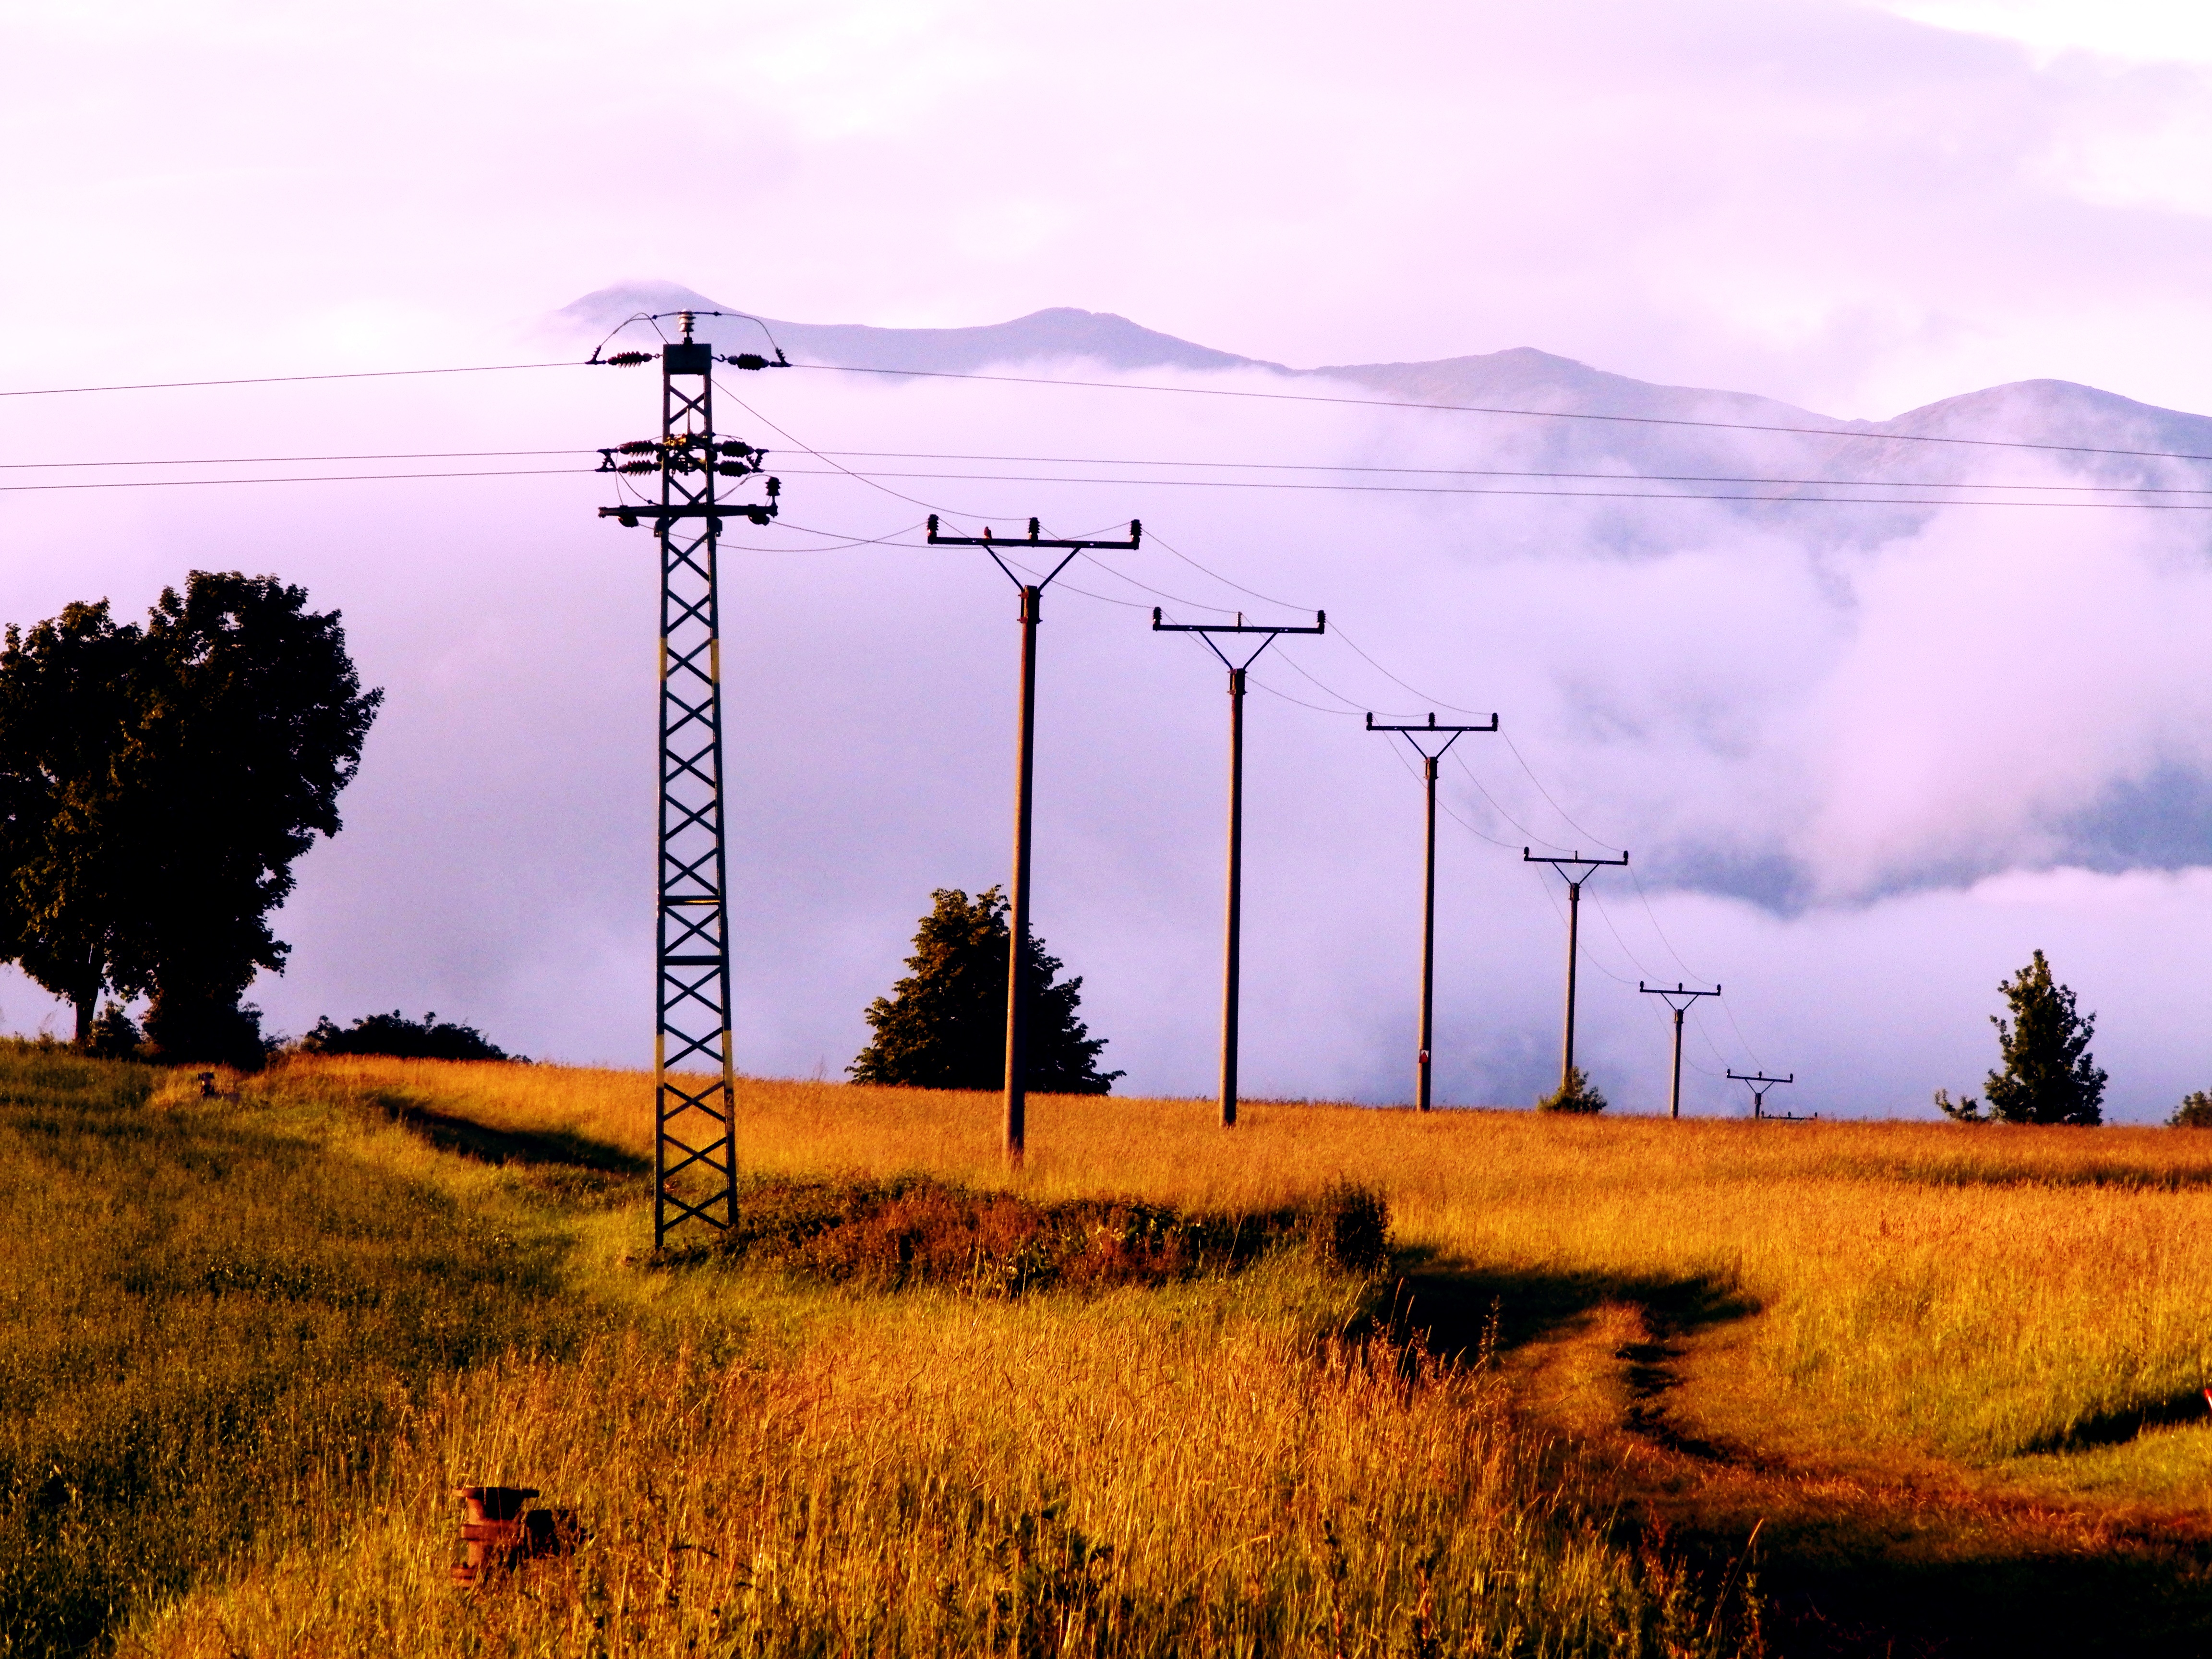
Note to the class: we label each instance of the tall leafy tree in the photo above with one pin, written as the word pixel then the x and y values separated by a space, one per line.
pixel 69 691
pixel 180 771
pixel 943 1026
pixel 2047 1074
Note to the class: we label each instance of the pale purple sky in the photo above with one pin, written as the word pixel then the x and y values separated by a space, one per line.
pixel 1829 203
pixel 1855 208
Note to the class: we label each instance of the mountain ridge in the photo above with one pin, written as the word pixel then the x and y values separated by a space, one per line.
pixel 2034 411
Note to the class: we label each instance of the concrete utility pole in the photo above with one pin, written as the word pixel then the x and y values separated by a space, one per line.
pixel 1232 924
pixel 1760 1083
pixel 693 1122
pixel 1032 612
pixel 1589 866
pixel 1688 996
pixel 1450 734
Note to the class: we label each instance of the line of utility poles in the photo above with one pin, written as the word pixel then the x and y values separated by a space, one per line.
pixel 1689 996
pixel 1450 734
pixel 1589 866
pixel 1232 922
pixel 694 1121
pixel 1018 929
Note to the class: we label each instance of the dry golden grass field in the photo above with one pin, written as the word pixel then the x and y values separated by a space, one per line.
pixel 1625 1386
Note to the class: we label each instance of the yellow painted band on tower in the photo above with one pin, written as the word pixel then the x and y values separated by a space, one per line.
pixel 663 659
pixel 714 660
pixel 660 1051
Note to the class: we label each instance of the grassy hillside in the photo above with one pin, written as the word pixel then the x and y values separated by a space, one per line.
pixel 255 1340
pixel 1727 1387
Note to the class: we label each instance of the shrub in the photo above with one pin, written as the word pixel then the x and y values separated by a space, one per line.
pixel 115 1035
pixel 1577 1094
pixel 402 1038
pixel 2195 1112
pixel 914 1230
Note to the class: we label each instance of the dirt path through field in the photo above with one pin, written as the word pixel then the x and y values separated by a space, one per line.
pixel 1906 1554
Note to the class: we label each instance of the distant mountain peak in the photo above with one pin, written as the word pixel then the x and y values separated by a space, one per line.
pixel 1517 378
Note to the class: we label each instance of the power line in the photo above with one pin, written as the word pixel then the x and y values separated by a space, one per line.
pixel 290 460
pixel 1835 432
pixel 281 380
pixel 873 480
pixel 297 477
pixel 1527 414
pixel 1567 495
pixel 1504 472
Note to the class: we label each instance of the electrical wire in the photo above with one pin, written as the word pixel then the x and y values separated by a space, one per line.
pixel 302 477
pixel 282 380
pixel 1481 789
pixel 789 436
pixel 1558 495
pixel 1546 794
pixel 1526 414
pixel 288 460
pixel 1512 472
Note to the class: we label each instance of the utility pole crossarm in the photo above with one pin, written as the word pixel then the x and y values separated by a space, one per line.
pixel 1035 538
pixel 1414 735
pixel 1689 996
pixel 1760 1083
pixel 1527 857
pixel 1240 626
pixel 1430 725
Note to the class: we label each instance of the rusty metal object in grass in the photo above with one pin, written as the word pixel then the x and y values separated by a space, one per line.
pixel 497 1533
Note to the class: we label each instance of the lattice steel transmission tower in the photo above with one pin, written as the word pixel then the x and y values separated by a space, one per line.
pixel 695 1164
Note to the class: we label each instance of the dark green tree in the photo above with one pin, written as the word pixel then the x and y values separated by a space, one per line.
pixel 943 1026
pixel 166 781
pixel 68 709
pixel 2195 1112
pixel 2048 1074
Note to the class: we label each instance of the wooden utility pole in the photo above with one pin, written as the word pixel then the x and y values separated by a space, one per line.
pixel 1589 866
pixel 1688 996
pixel 1232 926
pixel 1017 928
pixel 1450 734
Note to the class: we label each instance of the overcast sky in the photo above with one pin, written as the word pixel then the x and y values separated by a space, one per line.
pixel 1852 207
pixel 1855 208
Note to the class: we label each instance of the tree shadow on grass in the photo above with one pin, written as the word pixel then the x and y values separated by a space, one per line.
pixel 1461 1310
pixel 2117 1427
pixel 1883 1572
pixel 449 1132
pixel 1850 1586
